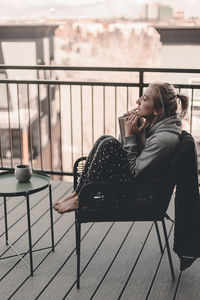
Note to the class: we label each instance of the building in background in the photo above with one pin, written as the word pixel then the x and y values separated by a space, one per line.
pixel 179 15
pixel 156 11
pixel 26 107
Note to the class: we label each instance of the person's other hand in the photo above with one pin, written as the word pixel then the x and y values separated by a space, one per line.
pixel 134 125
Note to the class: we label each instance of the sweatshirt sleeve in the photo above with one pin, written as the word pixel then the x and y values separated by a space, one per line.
pixel 156 149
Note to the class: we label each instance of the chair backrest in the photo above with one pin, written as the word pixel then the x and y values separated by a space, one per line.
pixel 179 170
pixel 77 170
pixel 185 160
pixel 184 167
pixel 187 200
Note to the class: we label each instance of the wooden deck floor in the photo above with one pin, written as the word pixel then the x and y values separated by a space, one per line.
pixel 118 260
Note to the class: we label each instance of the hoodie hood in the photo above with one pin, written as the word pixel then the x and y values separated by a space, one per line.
pixel 170 124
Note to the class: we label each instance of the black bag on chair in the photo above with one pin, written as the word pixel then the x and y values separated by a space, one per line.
pixel 187 200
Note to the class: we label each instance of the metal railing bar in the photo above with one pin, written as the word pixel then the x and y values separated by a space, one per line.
pixel 19 118
pixel 46 171
pixel 81 107
pixel 30 128
pixel 70 82
pixel 127 97
pixel 9 127
pixel 49 123
pixel 117 69
pixel 94 83
pixel 141 81
pixel 60 111
pixel 71 124
pixel 39 121
pixel 92 107
pixel 51 172
pixel 115 111
pixel 104 110
pixel 191 110
pixel 1 149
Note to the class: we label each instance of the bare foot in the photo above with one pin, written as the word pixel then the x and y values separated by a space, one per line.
pixel 57 203
pixel 68 206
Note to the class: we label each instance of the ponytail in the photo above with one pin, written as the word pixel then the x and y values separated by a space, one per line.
pixel 184 104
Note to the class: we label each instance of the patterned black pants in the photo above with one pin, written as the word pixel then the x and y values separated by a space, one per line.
pixel 108 162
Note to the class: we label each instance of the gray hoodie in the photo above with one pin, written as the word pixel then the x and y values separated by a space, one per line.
pixel 161 142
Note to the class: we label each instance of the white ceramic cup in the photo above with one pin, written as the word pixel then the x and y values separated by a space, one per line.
pixel 23 173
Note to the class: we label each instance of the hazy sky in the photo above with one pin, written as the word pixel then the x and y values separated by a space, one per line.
pixel 18 8
pixel 181 3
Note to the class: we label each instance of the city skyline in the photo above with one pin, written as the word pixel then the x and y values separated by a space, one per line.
pixel 11 9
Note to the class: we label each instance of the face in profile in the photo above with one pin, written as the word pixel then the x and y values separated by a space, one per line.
pixel 146 106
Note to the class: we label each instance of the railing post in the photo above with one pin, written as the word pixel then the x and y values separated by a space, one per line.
pixel 49 125
pixel 141 82
pixel 191 110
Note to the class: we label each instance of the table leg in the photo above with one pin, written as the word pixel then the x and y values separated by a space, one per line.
pixel 51 217
pixel 6 223
pixel 29 233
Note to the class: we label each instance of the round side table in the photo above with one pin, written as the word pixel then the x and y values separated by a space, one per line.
pixel 11 187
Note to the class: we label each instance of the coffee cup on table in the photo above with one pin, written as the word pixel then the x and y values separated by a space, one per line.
pixel 23 173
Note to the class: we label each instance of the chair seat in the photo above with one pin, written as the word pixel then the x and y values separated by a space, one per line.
pixel 112 215
pixel 103 202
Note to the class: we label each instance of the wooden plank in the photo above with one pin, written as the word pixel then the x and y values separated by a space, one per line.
pixel 58 272
pixel 121 268
pixel 90 246
pixel 189 283
pixel 10 206
pixel 93 274
pixel 141 279
pixel 163 286
pixel 20 268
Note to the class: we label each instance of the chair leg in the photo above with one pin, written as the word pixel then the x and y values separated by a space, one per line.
pixel 78 249
pixel 158 235
pixel 76 234
pixel 168 250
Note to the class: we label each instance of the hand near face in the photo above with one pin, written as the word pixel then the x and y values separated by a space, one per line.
pixel 133 124
pixel 130 112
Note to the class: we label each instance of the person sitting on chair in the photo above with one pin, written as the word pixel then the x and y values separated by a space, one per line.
pixel 152 134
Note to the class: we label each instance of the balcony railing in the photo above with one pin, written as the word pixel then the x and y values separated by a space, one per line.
pixel 51 115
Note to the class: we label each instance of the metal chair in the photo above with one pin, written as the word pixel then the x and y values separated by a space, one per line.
pixel 101 214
